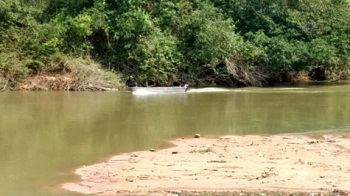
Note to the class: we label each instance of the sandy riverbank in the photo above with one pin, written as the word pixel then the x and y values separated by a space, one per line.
pixel 287 163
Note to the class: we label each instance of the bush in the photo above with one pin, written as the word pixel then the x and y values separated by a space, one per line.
pixel 12 70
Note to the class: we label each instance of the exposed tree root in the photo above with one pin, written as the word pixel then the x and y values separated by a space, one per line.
pixel 245 73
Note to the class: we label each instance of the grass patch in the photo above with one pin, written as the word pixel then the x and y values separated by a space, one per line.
pixel 74 74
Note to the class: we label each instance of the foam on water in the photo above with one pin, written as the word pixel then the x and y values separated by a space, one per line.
pixel 291 88
pixel 143 92
pixel 209 89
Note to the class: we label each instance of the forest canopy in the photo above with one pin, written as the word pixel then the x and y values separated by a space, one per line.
pixel 203 42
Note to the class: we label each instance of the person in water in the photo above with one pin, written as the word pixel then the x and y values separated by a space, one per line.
pixel 130 82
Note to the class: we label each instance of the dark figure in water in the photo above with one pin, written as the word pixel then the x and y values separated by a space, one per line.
pixel 130 82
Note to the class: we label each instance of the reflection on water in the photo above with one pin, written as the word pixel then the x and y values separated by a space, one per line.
pixel 43 134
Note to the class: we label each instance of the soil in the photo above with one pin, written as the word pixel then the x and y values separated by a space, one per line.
pixel 47 82
pixel 288 164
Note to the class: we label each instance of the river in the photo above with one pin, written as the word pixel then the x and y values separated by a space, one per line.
pixel 45 135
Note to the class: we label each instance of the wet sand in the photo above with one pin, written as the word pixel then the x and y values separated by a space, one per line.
pixel 285 163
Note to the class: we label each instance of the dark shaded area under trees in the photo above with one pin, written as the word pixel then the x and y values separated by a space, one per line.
pixel 202 42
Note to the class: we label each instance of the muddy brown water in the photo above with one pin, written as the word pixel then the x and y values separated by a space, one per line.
pixel 45 135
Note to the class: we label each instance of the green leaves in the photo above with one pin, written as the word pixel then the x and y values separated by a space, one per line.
pixel 156 55
pixel 322 52
pixel 207 38
pixel 210 37
pixel 161 38
pixel 133 24
pixel 292 35
pixel 81 25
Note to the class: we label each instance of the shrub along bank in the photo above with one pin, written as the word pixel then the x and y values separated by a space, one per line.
pixel 207 42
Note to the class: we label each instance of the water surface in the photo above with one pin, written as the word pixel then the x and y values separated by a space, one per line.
pixel 44 135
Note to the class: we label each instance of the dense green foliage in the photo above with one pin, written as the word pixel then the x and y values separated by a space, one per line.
pixel 198 41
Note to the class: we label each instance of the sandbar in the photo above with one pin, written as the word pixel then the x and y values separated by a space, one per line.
pixel 284 163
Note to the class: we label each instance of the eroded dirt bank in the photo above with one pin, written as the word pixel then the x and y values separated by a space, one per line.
pixel 288 163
